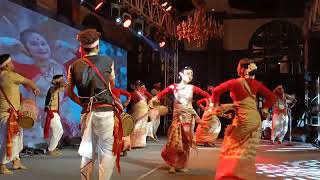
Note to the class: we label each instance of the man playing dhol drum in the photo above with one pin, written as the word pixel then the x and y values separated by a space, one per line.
pixel 102 131
pixel 10 133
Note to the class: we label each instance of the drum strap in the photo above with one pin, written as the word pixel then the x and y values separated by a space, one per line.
pixel 118 105
pixel 12 126
pixel 118 130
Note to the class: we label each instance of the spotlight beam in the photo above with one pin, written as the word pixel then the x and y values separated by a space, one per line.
pixel 98 6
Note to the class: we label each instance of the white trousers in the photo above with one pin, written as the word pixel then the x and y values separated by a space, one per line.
pixel 56 132
pixel 97 143
pixel 17 143
pixel 152 127
pixel 279 126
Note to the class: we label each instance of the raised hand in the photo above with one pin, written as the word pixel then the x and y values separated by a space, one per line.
pixel 36 91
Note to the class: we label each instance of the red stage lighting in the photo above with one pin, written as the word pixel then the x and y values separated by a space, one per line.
pixel 98 6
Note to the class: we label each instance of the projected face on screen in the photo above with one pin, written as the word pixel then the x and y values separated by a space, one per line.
pixel 41 48
pixel 36 44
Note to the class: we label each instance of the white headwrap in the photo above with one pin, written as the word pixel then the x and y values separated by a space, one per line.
pixel 94 44
pixel 5 62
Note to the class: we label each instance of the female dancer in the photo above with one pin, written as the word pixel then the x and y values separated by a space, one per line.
pixel 140 109
pixel 237 158
pixel 181 131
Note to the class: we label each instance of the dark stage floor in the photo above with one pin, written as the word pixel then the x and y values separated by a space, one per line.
pixel 298 162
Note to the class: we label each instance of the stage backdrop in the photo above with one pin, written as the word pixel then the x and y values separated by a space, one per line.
pixel 42 47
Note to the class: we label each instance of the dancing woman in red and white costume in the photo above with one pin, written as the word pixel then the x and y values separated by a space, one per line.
pixel 238 153
pixel 181 132
pixel 140 109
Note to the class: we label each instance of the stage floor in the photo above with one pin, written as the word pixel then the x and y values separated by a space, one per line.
pixel 301 161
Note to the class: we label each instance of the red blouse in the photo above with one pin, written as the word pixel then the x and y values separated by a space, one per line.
pixel 239 93
pixel 118 92
pixel 136 98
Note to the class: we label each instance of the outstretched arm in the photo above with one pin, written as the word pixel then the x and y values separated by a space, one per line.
pixel 28 83
pixel 166 91
pixel 127 94
pixel 201 92
pixel 218 90
pixel 146 93
pixel 270 98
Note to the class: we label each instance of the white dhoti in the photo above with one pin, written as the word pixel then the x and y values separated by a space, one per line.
pixel 153 125
pixel 97 142
pixel 279 126
pixel 56 131
pixel 17 143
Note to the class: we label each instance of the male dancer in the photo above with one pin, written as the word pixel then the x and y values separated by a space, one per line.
pixel 10 133
pixel 102 131
pixel 53 120
pixel 280 118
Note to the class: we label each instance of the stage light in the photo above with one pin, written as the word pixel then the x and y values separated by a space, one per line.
pixel 138 25
pixel 127 23
pixel 126 20
pixel 169 8
pixel 98 6
pixel 140 33
pixel 164 4
pixel 118 20
pixel 162 44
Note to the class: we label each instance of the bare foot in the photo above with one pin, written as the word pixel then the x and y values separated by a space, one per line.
pixel 5 170
pixel 183 170
pixel 18 165
pixel 54 153
pixel 172 170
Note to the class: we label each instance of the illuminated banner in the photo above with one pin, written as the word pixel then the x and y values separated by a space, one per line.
pixel 41 48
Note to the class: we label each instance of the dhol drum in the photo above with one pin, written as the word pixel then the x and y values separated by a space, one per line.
pixel 28 114
pixel 127 123
pixel 163 110
pixel 313 121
